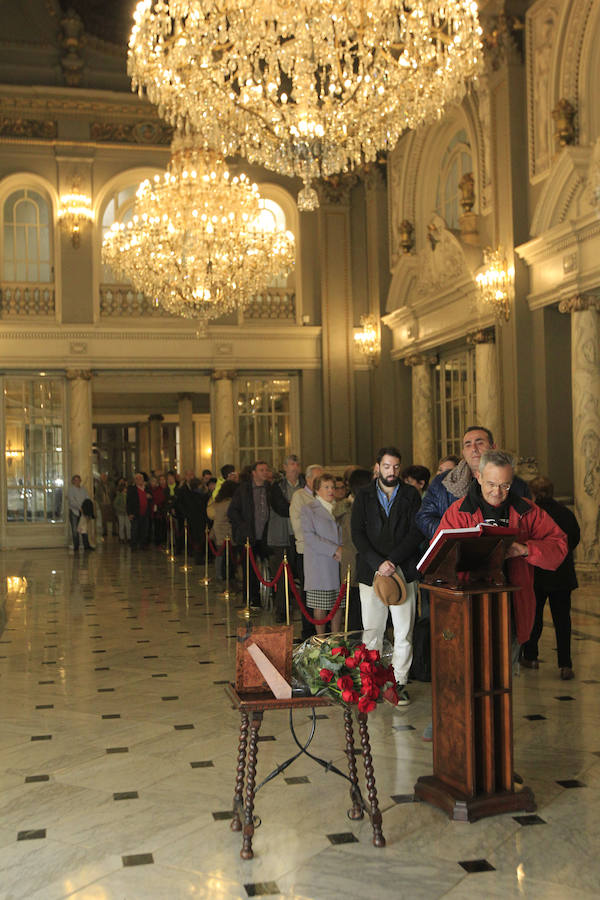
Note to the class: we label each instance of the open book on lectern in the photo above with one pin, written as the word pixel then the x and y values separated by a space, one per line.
pixel 448 536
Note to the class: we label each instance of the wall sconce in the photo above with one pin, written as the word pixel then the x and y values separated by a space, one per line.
pixel 12 454
pixel 74 211
pixel 368 340
pixel 496 283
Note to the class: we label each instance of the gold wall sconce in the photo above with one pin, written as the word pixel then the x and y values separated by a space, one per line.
pixel 74 212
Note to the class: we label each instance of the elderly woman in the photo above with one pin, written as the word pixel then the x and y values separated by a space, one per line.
pixel 322 552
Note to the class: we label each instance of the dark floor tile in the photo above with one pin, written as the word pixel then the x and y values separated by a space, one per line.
pixel 261 888
pixel 49 662
pixel 529 820
pixel 535 718
pixel 343 837
pixel 151 657
pixel 404 798
pixel 564 697
pixel 137 628
pixel 98 651
pixel 476 865
pixel 174 697
pixel 106 690
pixel 590 681
pixel 51 681
pixel 297 779
pixel 102 669
pixel 319 716
pixel 203 764
pixel 96 637
pixel 195 646
pixel 182 632
pixel 160 675
pixel 403 728
pixel 32 834
pixel 131 617
pixel 126 795
pixel 183 727
pixel 117 749
pixel 41 737
pixel 173 620
pixel 112 716
pixel 145 641
pixel 33 779
pixel 266 737
pixel 138 859
pixel 222 815
pixel 205 662
pixel 571 783
pixel 223 681
pixel 45 706
pixel 50 646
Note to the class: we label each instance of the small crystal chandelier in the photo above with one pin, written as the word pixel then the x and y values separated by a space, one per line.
pixel 496 283
pixel 198 244
pixel 308 88
pixel 367 340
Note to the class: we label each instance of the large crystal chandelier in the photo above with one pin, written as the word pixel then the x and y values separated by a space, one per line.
pixel 304 87
pixel 198 244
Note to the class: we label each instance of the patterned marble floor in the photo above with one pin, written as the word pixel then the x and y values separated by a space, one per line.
pixel 118 747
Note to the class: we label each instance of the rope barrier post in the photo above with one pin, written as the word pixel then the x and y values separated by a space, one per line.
pixel 347 598
pixel 227 594
pixel 247 612
pixel 287 588
pixel 206 580
pixel 185 567
pixel 171 555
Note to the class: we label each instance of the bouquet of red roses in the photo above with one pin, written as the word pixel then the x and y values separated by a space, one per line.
pixel 344 670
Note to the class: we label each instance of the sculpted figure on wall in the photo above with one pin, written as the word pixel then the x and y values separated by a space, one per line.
pixel 542 39
pixel 442 258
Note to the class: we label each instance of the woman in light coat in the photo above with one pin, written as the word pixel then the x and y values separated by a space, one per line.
pixel 322 553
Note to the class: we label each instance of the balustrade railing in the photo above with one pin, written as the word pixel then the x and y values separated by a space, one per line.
pixel 274 303
pixel 29 299
pixel 118 300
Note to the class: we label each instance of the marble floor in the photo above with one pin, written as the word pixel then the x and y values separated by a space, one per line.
pixel 118 751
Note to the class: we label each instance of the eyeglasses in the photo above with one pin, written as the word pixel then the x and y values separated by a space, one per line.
pixel 503 488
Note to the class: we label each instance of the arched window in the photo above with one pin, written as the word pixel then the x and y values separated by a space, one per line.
pixel 26 238
pixel 272 218
pixel 118 209
pixel 456 162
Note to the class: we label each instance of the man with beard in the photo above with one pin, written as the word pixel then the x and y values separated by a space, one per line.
pixel 387 543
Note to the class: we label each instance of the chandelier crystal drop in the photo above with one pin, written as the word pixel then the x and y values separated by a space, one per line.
pixel 304 87
pixel 199 244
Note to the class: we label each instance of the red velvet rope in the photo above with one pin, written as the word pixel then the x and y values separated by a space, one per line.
pixel 257 573
pixel 214 550
pixel 304 610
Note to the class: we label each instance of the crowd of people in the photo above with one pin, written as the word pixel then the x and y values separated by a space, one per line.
pixel 371 525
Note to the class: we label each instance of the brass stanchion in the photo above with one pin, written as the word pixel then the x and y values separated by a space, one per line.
pixel 185 567
pixel 206 580
pixel 287 588
pixel 227 594
pixel 347 598
pixel 170 553
pixel 247 612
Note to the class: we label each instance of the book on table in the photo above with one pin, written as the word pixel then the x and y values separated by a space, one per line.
pixel 476 543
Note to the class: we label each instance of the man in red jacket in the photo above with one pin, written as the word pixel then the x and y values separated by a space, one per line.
pixel 540 542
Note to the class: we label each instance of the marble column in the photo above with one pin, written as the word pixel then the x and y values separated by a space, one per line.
pixel 487 382
pixel 156 420
pixel 80 421
pixel 585 389
pixel 143 447
pixel 186 434
pixel 423 423
pixel 223 419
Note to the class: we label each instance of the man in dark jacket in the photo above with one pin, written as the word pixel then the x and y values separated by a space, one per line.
pixel 387 542
pixel 139 505
pixel 249 516
pixel 450 486
pixel 555 586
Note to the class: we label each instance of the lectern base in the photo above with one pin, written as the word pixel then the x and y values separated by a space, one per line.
pixel 468 809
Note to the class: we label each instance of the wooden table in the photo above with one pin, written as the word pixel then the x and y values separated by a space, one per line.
pixel 252 707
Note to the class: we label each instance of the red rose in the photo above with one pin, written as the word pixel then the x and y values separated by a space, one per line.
pixel 340 651
pixel 367 668
pixel 360 653
pixel 390 695
pixel 370 690
pixel 351 663
pixel 381 676
pixel 373 655
pixel 345 683
pixel 326 675
pixel 365 705
pixel 349 696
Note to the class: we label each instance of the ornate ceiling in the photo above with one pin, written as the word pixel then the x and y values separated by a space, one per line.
pixel 109 20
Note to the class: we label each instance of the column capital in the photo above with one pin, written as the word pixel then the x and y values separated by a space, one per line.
pixel 421 359
pixel 156 417
pixel 579 303
pixel 82 374
pixel 219 374
pixel 482 336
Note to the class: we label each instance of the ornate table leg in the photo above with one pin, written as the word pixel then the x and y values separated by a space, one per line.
pixel 246 851
pixel 375 813
pixel 357 811
pixel 238 796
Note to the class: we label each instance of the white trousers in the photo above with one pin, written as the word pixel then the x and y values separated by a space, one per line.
pixel 374 616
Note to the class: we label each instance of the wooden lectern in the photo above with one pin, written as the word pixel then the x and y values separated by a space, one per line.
pixel 471 675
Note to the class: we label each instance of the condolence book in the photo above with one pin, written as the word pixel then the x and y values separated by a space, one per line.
pixel 475 543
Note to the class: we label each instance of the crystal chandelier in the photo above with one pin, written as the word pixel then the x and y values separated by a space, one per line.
pixel 304 87
pixel 496 283
pixel 198 244
pixel 368 339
